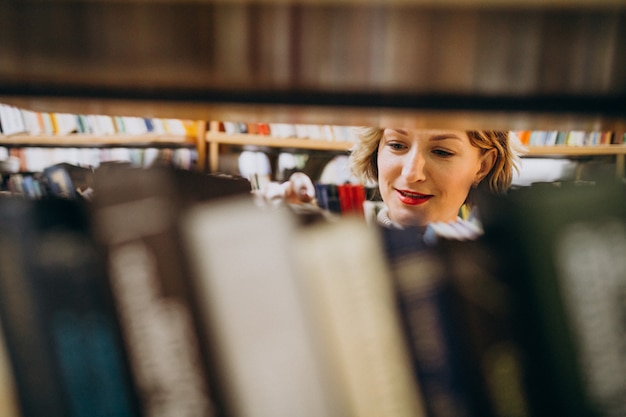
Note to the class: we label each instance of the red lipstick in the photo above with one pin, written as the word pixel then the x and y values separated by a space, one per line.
pixel 413 198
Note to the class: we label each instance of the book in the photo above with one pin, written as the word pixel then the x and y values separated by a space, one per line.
pixel 8 391
pixel 249 298
pixel 481 301
pixel 434 333
pixel 136 212
pixel 562 245
pixel 58 181
pixel 352 298
pixel 61 330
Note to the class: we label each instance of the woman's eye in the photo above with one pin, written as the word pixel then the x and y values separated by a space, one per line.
pixel 442 152
pixel 396 146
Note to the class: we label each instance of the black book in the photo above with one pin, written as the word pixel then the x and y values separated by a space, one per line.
pixel 562 247
pixel 61 330
pixel 457 321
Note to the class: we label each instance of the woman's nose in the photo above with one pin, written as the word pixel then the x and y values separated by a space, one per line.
pixel 413 169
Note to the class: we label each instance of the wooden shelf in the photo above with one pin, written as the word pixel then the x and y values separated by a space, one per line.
pixel 413 63
pixel 276 142
pixel 215 139
pixel 566 150
pixel 95 140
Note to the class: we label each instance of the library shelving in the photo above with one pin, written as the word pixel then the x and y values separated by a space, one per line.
pixel 81 140
pixel 475 64
pixel 216 138
pixel 616 151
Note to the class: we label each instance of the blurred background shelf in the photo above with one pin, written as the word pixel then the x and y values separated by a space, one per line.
pixel 483 64
pixel 97 140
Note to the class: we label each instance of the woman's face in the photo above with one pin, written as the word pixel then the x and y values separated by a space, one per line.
pixel 425 176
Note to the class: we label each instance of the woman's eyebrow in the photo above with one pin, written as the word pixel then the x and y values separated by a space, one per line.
pixel 400 131
pixel 445 136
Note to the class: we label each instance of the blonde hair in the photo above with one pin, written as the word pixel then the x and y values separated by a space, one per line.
pixel 364 155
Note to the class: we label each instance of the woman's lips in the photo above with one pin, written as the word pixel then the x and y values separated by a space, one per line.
pixel 413 198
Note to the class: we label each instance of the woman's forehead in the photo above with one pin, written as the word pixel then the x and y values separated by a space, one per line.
pixel 427 133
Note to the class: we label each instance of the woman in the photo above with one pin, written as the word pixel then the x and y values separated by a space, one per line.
pixel 426 176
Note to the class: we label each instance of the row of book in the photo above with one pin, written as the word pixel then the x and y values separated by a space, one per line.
pixel 288 49
pixel 346 134
pixel 571 138
pixel 290 130
pixel 343 199
pixel 36 159
pixel 171 293
pixel 14 120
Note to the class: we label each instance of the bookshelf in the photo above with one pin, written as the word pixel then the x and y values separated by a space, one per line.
pixel 81 140
pixel 216 139
pixel 473 64
pixel 346 62
pixel 96 140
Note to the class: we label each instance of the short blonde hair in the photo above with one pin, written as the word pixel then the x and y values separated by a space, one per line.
pixel 364 155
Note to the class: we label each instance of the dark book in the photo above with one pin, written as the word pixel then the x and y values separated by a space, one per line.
pixel 58 181
pixel 458 325
pixel 137 213
pixel 321 195
pixel 481 302
pixel 434 332
pixel 334 203
pixel 61 329
pixel 563 248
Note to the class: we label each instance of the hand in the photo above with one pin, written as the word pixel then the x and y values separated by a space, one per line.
pixel 299 189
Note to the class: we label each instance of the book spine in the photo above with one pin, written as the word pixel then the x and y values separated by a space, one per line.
pixel 482 301
pixel 135 216
pixel 29 349
pixel 434 333
pixel 9 405
pixel 356 315
pixel 249 299
pixel 71 360
pixel 562 248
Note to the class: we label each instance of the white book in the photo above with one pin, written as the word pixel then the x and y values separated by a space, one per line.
pixel 94 124
pixel 150 156
pixel 66 123
pixel 327 133
pixel 341 133
pixel 576 138
pixel 175 127
pixel 302 131
pixel 353 300
pixel 315 132
pixel 107 124
pixel 158 126
pixel 4 119
pixel 249 295
pixel 551 139
pixel 231 128
pixel 10 124
pixel 32 123
pixel 18 120
pixel 47 123
pixel 37 159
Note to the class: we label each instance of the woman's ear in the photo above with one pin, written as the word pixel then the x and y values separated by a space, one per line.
pixel 487 161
